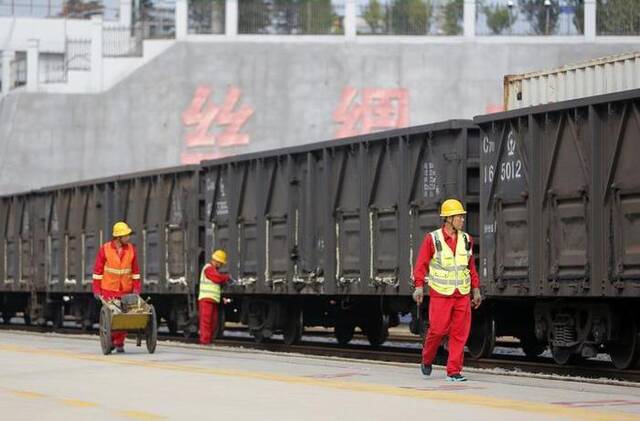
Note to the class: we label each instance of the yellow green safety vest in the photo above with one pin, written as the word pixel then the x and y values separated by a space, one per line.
pixel 448 272
pixel 208 289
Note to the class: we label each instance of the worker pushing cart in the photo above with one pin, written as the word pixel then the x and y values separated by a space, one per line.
pixel 116 273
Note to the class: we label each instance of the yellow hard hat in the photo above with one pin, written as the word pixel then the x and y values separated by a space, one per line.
pixel 451 207
pixel 120 229
pixel 219 256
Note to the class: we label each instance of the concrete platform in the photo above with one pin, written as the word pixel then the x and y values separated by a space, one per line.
pixel 54 377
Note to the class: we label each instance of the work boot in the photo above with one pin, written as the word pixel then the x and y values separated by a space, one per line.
pixel 426 369
pixel 456 378
pixel 120 349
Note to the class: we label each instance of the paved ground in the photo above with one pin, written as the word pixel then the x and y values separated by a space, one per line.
pixel 52 377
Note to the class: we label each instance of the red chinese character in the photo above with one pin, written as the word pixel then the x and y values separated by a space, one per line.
pixel 205 115
pixel 493 108
pixel 380 109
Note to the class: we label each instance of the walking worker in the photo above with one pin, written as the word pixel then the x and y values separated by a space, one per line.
pixel 446 260
pixel 211 283
pixel 116 272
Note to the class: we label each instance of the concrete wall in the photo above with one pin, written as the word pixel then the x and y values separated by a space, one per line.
pixel 207 99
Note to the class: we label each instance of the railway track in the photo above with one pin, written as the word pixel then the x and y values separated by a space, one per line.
pixel 590 371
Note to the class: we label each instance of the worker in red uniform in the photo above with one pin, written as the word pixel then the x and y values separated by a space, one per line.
pixel 211 283
pixel 116 272
pixel 446 260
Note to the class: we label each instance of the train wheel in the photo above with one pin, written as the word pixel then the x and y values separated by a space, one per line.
pixel 294 326
pixel 531 346
pixel 105 330
pixel 564 356
pixel 6 317
pixel 58 317
pixel 26 314
pixel 624 351
pixel 151 337
pixel 343 331
pixel 172 325
pixel 377 330
pixel 482 338
pixel 259 337
pixel 220 323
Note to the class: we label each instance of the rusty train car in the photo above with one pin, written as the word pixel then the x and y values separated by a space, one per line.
pixel 560 236
pixel 326 234
pixel 50 238
pixel 321 234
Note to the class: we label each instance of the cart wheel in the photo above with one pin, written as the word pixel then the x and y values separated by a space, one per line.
pixel 152 332
pixel 105 330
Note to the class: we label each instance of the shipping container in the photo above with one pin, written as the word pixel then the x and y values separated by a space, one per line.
pixel 595 77
pixel 560 224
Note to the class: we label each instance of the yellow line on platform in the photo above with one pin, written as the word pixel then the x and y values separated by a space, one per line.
pixel 140 415
pixel 78 403
pixel 440 396
pixel 27 394
pixel 136 415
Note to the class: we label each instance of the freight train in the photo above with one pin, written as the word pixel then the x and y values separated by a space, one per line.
pixel 327 234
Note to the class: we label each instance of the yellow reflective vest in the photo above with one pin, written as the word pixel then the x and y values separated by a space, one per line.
pixel 208 289
pixel 449 271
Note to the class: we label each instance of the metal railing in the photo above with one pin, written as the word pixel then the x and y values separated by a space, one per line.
pixel 410 17
pixel 53 68
pixel 18 70
pixel 206 16
pixel 75 9
pixel 122 41
pixel 78 54
pixel 301 17
pixel 530 17
pixel 618 17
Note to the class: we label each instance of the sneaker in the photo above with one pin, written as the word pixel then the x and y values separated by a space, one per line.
pixel 120 349
pixel 426 369
pixel 456 378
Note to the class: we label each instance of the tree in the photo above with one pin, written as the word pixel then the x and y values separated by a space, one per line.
pixel 206 16
pixel 374 16
pixel 618 17
pixel 578 16
pixel 81 9
pixel 254 16
pixel 453 15
pixel 411 17
pixel 499 18
pixel 316 17
pixel 543 17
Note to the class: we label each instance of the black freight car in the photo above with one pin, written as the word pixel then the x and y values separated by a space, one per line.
pixel 560 228
pixel 21 283
pixel 50 238
pixel 322 234
pixel 326 234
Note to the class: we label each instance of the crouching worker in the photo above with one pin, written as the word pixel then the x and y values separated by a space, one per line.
pixel 211 283
pixel 116 272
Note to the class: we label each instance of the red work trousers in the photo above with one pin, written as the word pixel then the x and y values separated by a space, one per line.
pixel 117 337
pixel 448 316
pixel 208 313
